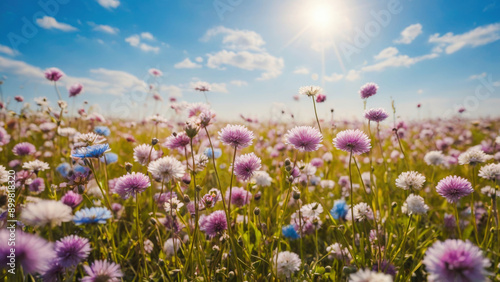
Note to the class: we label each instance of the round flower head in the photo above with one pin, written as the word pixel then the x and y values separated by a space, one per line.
pixel 262 178
pixel 177 141
pixel 53 74
pixel 453 188
pixel 310 91
pixel 94 151
pixel 362 212
pixel 304 138
pixel 455 261
pixel 246 165
pixel 368 90
pixel 214 224
pixel 286 263
pixel 72 199
pixel 102 130
pixel 312 210
pixel 239 196
pixel 33 253
pixel 145 153
pixel 155 72
pixel 166 169
pixel 71 250
pixel 366 275
pixel 414 204
pixel 102 270
pixel 24 149
pixel 37 185
pixel 4 137
pixel 131 184
pixel 376 115
pixel 410 180
pixel 92 215
pixel 320 98
pixel 339 209
pixel 290 232
pixel 46 212
pixel 473 157
pixel 236 136
pixel 434 158
pixel 490 172
pixel 75 90
pixel 36 166
pixel 202 86
pixel 354 141
pixel 171 246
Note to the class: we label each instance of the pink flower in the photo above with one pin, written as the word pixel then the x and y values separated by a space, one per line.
pixel 53 74
pixel 75 89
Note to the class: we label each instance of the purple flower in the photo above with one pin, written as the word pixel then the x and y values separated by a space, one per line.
pixel 102 270
pixel 385 267
pixel 177 141
pixel 162 198
pixel 53 74
pixel 376 115
pixel 304 138
pixel 33 253
pixel 320 98
pixel 24 149
pixel 131 184
pixel 246 165
pixel 236 136
pixel 455 260
pixel 71 250
pixel 72 199
pixel 368 90
pixel 55 272
pixel 354 141
pixel 214 224
pixel 171 223
pixel 37 185
pixel 239 196
pixel 453 188
pixel 4 137
pixel 75 89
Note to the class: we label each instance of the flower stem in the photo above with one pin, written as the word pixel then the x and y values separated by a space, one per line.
pixel 316 114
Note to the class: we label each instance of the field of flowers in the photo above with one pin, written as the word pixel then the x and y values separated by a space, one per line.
pixel 193 198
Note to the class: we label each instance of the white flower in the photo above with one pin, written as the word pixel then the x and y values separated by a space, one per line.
pixel 89 139
pixel 166 169
pixel 309 169
pixel 66 131
pixel 310 90
pixel 41 101
pixel 173 204
pixel 262 178
pixel 4 175
pixel 490 172
pixel 337 252
pixel 200 162
pixel 145 153
pixel 414 204
pixel 148 246
pixel 47 126
pixel 46 212
pixel 434 158
pixel 156 118
pixel 36 165
pixel 329 184
pixel 410 180
pixel 498 140
pixel 327 157
pixel 312 210
pixel 366 275
pixel 473 156
pixel 171 246
pixel 286 263
pixel 361 212
pixel 490 191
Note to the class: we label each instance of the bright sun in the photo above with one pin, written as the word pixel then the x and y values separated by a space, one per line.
pixel 324 16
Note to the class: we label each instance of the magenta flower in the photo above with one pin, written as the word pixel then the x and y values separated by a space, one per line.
pixel 246 165
pixel 453 188
pixel 354 141
pixel 368 90
pixel 155 72
pixel 320 98
pixel 177 141
pixel 455 260
pixel 75 89
pixel 19 99
pixel 131 184
pixel 214 224
pixel 71 250
pixel 72 199
pixel 304 138
pixel 37 185
pixel 237 136
pixel 239 196
pixel 53 74
pixel 376 115
pixel 24 149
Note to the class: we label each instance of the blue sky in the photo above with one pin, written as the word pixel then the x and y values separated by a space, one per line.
pixel 256 54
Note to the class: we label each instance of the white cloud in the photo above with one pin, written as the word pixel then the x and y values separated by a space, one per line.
pixel 476 76
pixel 7 50
pixel 409 34
pixel 351 75
pixel 106 29
pixel 477 37
pixel 51 23
pixel 270 65
pixel 187 64
pixel 236 39
pixel 301 70
pixel 334 77
pixel 147 36
pixel 108 4
pixel 135 41
pixel 171 90
pixel 239 83
pixel 214 87
pixel 390 57
pixel 199 59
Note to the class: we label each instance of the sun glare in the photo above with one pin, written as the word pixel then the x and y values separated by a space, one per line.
pixel 324 16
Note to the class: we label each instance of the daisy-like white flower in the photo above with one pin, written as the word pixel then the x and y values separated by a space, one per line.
pixel 497 140
pixel 171 246
pixel 311 90
pixel 367 275
pixel 166 169
pixel 414 204
pixel 410 180
pixel 46 212
pixel 304 138
pixel 355 141
pixel 36 166
pixel 490 191
pixel 434 158
pixel 456 260
pixel 473 157
pixel 312 210
pixel 66 131
pixel 4 175
pixel 89 139
pixel 362 212
pixel 490 172
pixel 145 153
pixel 336 251
pixel 173 204
pixel 200 161
pixel 286 263
pixel 262 178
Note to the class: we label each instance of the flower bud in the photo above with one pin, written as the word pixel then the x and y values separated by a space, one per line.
pixel 256 211
pixel 296 195
pixel 154 141
pixel 186 199
pixel 128 167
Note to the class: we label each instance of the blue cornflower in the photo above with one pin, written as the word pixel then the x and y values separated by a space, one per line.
pixel 102 130
pixel 63 169
pixel 80 169
pixel 94 151
pixel 110 158
pixel 92 215
pixel 290 232
pixel 217 154
pixel 339 209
